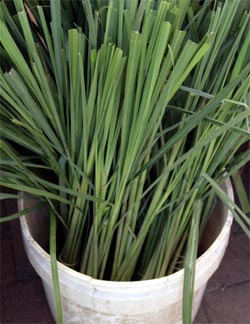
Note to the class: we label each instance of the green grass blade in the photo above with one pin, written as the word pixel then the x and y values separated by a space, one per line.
pixel 20 213
pixel 190 262
pixel 241 192
pixel 239 216
pixel 54 269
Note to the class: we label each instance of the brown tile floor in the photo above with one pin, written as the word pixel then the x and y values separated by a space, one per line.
pixel 226 300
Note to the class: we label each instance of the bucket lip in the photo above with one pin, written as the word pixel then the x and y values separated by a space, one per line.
pixel 132 284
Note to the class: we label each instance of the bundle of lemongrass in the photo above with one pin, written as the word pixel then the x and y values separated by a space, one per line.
pixel 133 111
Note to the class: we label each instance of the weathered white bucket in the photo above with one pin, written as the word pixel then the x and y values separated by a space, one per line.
pixel 87 300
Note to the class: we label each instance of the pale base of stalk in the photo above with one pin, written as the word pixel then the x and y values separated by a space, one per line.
pixel 88 300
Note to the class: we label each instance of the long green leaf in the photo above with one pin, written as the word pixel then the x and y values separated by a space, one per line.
pixel 190 261
pixel 54 269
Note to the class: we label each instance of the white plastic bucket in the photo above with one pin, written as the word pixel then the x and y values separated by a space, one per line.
pixel 88 300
